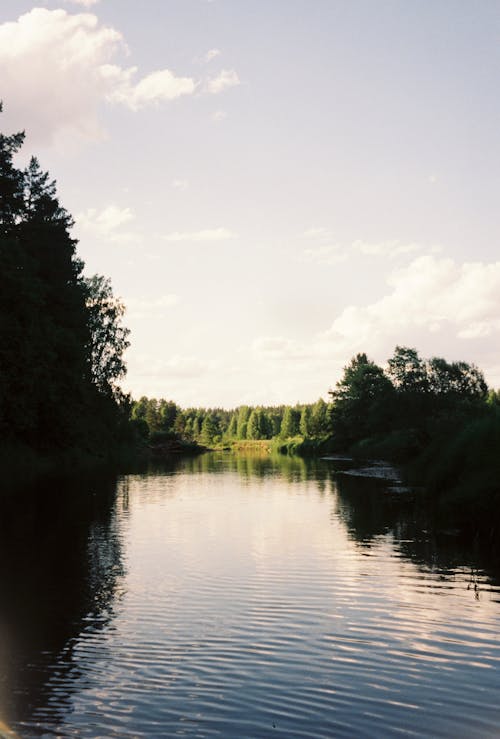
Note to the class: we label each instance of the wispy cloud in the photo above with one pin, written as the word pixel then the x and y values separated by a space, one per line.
pixel 106 224
pixel 209 234
pixel 324 249
pixel 84 3
pixel 389 249
pixel 211 54
pixel 180 184
pixel 225 79
pixel 146 308
pixel 219 115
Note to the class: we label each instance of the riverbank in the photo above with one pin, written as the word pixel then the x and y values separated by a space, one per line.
pixel 174 447
pixel 23 465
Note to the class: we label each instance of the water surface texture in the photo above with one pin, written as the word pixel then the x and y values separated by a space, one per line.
pixel 242 597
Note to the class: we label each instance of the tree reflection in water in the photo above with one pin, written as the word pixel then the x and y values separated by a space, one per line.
pixel 367 506
pixel 60 573
pixel 371 511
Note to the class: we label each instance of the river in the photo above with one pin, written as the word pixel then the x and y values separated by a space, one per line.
pixel 241 597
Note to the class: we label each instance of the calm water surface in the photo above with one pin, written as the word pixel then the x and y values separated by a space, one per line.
pixel 242 597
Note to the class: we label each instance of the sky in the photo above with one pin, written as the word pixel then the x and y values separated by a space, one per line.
pixel 271 185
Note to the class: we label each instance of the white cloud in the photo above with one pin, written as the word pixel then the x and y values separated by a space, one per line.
pixel 219 115
pixel 211 54
pixel 180 184
pixel 225 79
pixel 385 248
pixel 442 307
pixel 326 250
pixel 214 234
pixel 432 298
pixel 57 68
pixel 105 224
pixel 156 87
pixel 316 232
pixel 84 3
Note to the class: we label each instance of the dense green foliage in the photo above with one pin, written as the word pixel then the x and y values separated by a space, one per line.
pixel 438 418
pixel 159 419
pixel 61 336
pixel 403 409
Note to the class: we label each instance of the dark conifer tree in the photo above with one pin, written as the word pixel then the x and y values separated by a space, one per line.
pixel 50 394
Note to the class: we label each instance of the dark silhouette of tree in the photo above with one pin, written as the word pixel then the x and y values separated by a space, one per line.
pixel 408 371
pixel 361 400
pixel 11 182
pixel 458 379
pixel 61 340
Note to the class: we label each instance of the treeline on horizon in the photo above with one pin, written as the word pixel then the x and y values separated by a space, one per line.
pixel 62 342
pixel 438 418
pixel 157 419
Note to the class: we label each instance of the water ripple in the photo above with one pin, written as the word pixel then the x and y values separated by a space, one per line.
pixel 243 608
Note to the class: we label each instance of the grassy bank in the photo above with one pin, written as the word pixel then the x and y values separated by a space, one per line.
pixel 252 445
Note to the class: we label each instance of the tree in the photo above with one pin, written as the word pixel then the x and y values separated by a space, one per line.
pixel 290 423
pixel 493 399
pixel 243 416
pixel 108 338
pixel 361 400
pixel 61 341
pixel 305 421
pixel 209 429
pixel 319 418
pixel 265 424
pixel 232 429
pixel 196 428
pixel 253 426
pixel 168 412
pixel 407 371
pixel 456 379
pixel 11 182
pixel 275 416
pixel 184 427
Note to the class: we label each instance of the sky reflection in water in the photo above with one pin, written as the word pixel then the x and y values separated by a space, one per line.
pixel 242 596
